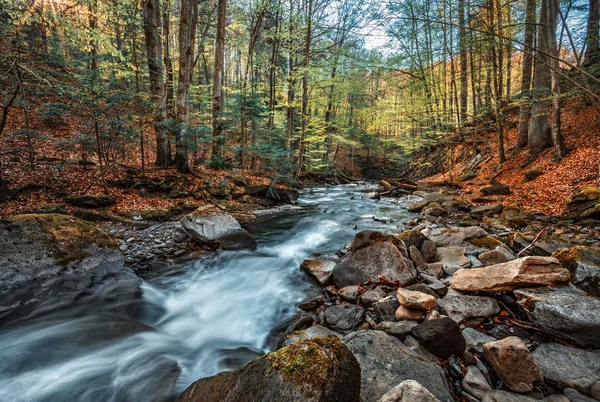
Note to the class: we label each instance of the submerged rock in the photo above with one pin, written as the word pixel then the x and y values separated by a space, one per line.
pixel 386 362
pixel 318 370
pixel 370 263
pixel 514 364
pixel 212 226
pixel 519 273
pixel 565 313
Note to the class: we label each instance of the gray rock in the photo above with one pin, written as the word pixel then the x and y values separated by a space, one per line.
pixel 565 313
pixel 408 391
pixel 475 383
pixel 386 362
pixel 372 295
pixel 451 269
pixel 455 236
pixel 584 264
pixel 385 309
pixel 367 264
pixel 468 310
pixel 417 258
pixel 308 333
pixel 399 329
pixel 476 339
pixel 428 250
pixel 569 367
pixel 486 210
pixel 556 398
pixel 418 349
pixel 350 293
pixel 442 337
pixel 453 256
pixel 211 226
pixel 344 317
pixel 503 396
pixel 316 370
pixel 492 257
pixel 575 396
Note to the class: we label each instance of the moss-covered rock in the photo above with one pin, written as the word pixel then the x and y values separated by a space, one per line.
pixel 91 201
pixel 533 174
pixel 320 369
pixel 584 265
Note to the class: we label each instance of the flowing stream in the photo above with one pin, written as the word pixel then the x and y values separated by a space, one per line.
pixel 149 342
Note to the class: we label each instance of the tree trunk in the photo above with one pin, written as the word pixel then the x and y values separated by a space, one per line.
pixel 552 16
pixel 187 41
pixel 539 130
pixel 462 36
pixel 151 9
pixel 592 54
pixel 305 89
pixel 170 75
pixel 525 106
pixel 217 105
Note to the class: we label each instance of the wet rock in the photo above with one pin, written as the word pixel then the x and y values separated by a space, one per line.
pixel 475 383
pixel 441 337
pixel 91 201
pixel 468 310
pixel 350 293
pixel 565 313
pixel 320 268
pixel 428 250
pixel 476 339
pixel 367 264
pixel 514 364
pixel 415 300
pixel 495 188
pixel 211 226
pixel 408 391
pixel 386 362
pixel 54 257
pixel 492 257
pixel 486 210
pixel 569 367
pixel 449 256
pixel 403 313
pixel 320 370
pixel 519 273
pixel 344 317
pixel 308 333
pixel 584 265
pixel 399 329
pixel 575 396
pixel 385 309
pixel 503 396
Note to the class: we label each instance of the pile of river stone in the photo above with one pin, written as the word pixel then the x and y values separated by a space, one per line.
pixel 447 310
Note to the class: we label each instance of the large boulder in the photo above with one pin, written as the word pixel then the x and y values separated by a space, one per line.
pixel 381 259
pixel 386 362
pixel 584 265
pixel 468 310
pixel 442 337
pixel 213 227
pixel 319 370
pixel 569 367
pixel 514 364
pixel 519 273
pixel 49 257
pixel 565 313
pixel 309 333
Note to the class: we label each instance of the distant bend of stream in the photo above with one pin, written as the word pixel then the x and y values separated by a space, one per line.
pixel 149 342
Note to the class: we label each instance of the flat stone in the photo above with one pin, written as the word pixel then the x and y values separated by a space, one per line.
pixel 385 362
pixel 468 310
pixel 475 383
pixel 435 269
pixel 408 391
pixel 569 367
pixel 399 329
pixel 565 313
pixel 486 210
pixel 453 256
pixel 415 300
pixel 344 317
pixel 446 237
pixel 492 257
pixel 403 313
pixel 514 364
pixel 519 273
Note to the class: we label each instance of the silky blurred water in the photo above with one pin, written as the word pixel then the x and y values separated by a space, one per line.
pixel 149 342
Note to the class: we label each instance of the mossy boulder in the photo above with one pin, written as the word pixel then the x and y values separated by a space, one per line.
pixel 585 203
pixel 583 263
pixel 320 369
pixel 53 256
pixel 495 188
pixel 533 174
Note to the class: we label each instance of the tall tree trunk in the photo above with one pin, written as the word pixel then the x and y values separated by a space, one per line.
pixel 305 89
pixel 187 41
pixel 290 83
pixel 272 68
pixel 462 37
pixel 525 97
pixel 592 54
pixel 496 60
pixel 217 106
pixel 170 74
pixel 151 10
pixel 552 16
pixel 539 130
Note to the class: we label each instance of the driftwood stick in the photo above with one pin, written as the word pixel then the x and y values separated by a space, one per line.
pixel 534 240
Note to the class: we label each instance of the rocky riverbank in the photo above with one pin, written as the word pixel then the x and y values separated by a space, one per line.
pixel 472 303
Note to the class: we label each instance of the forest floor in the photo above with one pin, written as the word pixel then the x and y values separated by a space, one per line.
pixel 545 194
